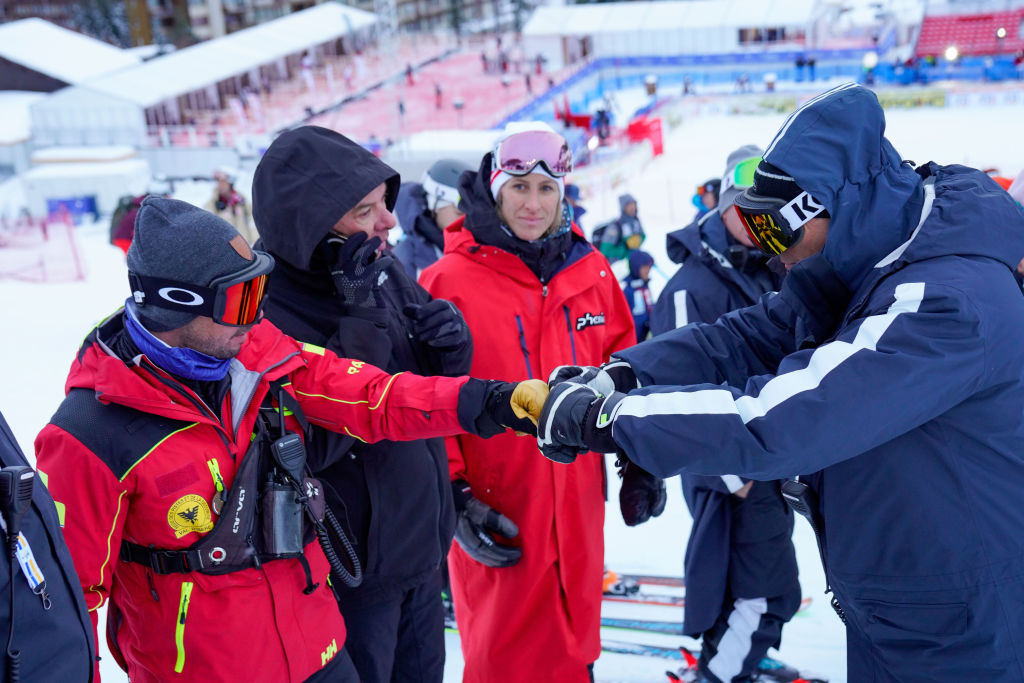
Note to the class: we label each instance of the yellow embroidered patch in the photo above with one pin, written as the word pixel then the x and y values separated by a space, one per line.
pixel 190 513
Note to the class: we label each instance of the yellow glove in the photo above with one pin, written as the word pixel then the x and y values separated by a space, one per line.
pixel 634 241
pixel 528 399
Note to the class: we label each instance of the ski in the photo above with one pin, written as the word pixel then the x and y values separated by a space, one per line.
pixel 768 671
pixel 623 647
pixel 654 580
pixel 642 598
pixel 674 627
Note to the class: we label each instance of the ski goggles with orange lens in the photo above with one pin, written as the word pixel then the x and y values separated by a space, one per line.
pixel 520 153
pixel 775 225
pixel 742 174
pixel 235 300
pixel 710 187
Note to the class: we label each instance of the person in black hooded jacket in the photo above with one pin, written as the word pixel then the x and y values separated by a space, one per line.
pixel 322 205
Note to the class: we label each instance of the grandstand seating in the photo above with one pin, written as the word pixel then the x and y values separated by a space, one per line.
pixel 972 34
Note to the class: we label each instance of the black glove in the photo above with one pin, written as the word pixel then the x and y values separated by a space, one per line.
pixel 485 408
pixel 642 494
pixel 615 375
pixel 576 419
pixel 475 526
pixel 818 296
pixel 356 268
pixel 438 324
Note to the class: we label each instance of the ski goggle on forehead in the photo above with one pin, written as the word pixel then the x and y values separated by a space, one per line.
pixel 742 174
pixel 775 225
pixel 235 299
pixel 520 153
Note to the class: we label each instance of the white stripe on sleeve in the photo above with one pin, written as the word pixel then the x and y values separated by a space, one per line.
pixel 679 301
pixel 824 360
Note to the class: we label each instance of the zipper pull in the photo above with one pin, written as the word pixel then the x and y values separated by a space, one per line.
pixel 217 502
pixel 545 291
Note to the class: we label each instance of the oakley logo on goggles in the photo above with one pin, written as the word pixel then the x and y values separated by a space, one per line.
pixel 774 225
pixel 235 299
pixel 742 174
pixel 519 154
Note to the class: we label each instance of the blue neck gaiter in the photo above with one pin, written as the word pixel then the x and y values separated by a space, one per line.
pixel 177 360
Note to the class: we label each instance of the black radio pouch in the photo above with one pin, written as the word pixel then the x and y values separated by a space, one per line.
pixel 272 511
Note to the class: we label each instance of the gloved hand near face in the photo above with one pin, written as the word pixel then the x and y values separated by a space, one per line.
pixel 356 268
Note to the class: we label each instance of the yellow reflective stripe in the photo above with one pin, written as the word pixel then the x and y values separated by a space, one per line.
pixel 103 567
pixel 179 627
pixel 157 445
pixel 44 477
pixel 340 400
pixel 61 512
pixel 353 435
pixel 313 348
pixel 218 481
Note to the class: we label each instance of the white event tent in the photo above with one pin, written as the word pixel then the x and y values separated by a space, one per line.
pixel 116 108
pixel 43 49
pixel 563 34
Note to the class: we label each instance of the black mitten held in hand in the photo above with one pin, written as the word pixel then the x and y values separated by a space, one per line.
pixel 438 324
pixel 476 525
pixel 642 494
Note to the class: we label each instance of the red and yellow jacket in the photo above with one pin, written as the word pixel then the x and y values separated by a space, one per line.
pixel 151 482
pixel 509 618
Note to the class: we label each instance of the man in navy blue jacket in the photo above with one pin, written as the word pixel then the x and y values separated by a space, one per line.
pixel 904 417
pixel 48 636
pixel 740 566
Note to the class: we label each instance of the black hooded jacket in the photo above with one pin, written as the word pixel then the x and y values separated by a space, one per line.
pixel 394 495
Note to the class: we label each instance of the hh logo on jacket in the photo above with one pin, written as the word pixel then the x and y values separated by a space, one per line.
pixel 589 320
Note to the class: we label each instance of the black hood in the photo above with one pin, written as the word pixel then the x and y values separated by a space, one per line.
pixel 543 257
pixel 308 179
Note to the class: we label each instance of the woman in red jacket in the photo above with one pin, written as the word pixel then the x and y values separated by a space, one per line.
pixel 526 575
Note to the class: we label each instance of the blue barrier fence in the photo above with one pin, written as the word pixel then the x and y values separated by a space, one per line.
pixel 609 74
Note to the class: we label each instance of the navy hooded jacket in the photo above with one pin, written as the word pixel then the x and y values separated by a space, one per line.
pixel 707 283
pixel 908 417
pixel 423 242
pixel 56 642
pixel 737 547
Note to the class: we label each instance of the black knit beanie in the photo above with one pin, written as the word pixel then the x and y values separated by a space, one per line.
pixel 772 181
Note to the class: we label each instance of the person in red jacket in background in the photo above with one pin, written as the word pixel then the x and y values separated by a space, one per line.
pixel 180 408
pixel 528 566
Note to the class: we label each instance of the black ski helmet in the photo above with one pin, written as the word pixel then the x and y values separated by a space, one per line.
pixel 441 182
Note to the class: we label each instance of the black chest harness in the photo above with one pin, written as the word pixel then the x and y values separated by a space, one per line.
pixel 273 509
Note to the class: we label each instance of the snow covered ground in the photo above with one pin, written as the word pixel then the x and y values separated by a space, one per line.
pixel 46 322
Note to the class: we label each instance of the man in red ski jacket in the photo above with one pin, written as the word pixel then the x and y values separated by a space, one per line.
pixel 167 402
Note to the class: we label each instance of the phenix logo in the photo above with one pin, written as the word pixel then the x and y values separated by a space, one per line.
pixel 588 320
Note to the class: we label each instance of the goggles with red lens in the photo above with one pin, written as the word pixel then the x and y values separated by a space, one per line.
pixel 520 153
pixel 235 299
pixel 775 225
